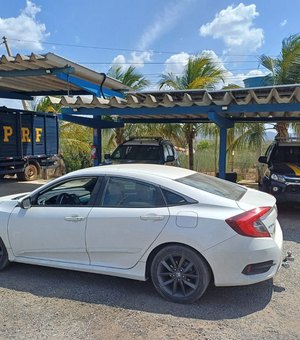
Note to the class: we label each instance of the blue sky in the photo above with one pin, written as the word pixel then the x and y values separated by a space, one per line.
pixel 155 36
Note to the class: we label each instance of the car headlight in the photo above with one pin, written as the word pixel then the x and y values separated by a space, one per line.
pixel 278 178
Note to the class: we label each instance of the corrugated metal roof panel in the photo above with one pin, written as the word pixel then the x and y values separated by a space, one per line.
pixel 49 82
pixel 164 105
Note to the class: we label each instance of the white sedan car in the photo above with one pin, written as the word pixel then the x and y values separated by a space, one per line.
pixel 178 227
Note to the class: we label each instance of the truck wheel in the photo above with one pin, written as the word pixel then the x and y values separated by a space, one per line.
pixel 3 256
pixel 30 173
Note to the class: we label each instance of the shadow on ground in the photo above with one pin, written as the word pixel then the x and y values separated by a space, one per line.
pixel 216 304
pixel 10 186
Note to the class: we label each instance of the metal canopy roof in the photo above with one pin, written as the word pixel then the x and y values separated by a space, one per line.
pixel 24 76
pixel 276 103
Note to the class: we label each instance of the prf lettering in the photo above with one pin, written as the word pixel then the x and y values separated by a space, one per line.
pixel 25 134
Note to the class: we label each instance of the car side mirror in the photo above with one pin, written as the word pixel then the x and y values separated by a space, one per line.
pixel 170 159
pixel 107 156
pixel 263 159
pixel 25 203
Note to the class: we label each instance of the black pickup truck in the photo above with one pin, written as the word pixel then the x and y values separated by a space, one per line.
pixel 280 170
pixel 28 142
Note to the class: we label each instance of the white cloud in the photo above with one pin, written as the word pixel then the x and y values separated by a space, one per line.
pixel 235 26
pixel 163 22
pixel 176 63
pixel 168 17
pixel 120 60
pixel 283 23
pixel 24 31
pixel 139 58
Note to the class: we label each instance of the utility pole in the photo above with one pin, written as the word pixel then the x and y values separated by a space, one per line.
pixel 25 104
pixel 7 47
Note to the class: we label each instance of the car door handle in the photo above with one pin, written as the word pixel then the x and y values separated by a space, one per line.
pixel 152 217
pixel 74 218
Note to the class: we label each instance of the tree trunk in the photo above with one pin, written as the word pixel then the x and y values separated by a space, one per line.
pixel 119 135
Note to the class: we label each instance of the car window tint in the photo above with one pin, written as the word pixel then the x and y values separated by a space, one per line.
pixel 75 192
pixel 214 186
pixel 127 193
pixel 286 154
pixel 173 198
pixel 137 153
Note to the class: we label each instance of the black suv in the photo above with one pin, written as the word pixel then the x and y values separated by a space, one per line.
pixel 281 174
pixel 153 150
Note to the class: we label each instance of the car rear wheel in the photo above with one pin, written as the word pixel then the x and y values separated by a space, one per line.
pixel 3 256
pixel 180 274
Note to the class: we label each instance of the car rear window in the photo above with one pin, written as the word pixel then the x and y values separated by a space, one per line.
pixel 137 152
pixel 214 186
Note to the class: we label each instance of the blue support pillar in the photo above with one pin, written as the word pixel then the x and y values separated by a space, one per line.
pixel 98 146
pixel 224 124
pixel 222 152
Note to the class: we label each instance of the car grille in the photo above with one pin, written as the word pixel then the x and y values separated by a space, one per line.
pixel 293 189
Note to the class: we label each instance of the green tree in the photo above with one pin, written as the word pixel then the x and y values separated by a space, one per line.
pixel 74 140
pixel 129 77
pixel 285 69
pixel 201 72
pixel 136 81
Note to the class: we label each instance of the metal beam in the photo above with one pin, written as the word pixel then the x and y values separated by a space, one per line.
pixel 91 122
pixel 89 87
pixel 37 73
pixel 233 110
pixel 15 95
pixel 220 121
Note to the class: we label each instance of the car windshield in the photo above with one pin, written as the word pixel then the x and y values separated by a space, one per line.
pixel 287 154
pixel 214 186
pixel 137 153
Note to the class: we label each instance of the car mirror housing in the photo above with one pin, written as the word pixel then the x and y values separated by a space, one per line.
pixel 25 203
pixel 107 156
pixel 263 159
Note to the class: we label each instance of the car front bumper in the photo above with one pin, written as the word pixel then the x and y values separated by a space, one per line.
pixel 284 192
pixel 229 259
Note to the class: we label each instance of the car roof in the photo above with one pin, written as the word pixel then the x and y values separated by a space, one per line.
pixel 155 170
pixel 142 142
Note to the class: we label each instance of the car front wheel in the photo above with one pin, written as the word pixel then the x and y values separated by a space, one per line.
pixel 3 255
pixel 180 274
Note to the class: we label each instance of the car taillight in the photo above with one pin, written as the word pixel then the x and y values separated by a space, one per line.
pixel 249 223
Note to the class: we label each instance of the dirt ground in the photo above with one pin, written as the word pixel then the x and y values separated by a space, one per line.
pixel 42 303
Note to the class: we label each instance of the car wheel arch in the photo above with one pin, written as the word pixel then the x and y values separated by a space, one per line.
pixel 4 261
pixel 154 251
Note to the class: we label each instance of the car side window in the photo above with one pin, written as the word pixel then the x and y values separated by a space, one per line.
pixel 127 193
pixel 75 192
pixel 173 198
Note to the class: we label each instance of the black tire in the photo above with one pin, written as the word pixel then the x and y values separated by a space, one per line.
pixel 3 256
pixel 30 173
pixel 180 274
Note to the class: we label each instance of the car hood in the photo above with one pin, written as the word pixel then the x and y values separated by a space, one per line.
pixel 287 169
pixel 13 197
pixel 127 161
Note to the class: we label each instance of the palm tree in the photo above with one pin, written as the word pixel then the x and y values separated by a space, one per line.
pixel 285 69
pixel 129 77
pixel 201 72
pixel 136 81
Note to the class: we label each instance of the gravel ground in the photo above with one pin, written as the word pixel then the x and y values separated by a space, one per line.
pixel 43 303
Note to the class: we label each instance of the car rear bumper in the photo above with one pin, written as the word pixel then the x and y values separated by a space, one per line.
pixel 229 259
